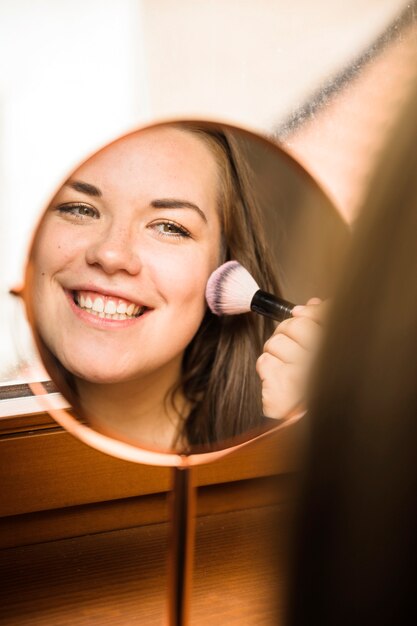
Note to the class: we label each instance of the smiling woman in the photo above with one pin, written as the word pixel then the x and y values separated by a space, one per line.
pixel 116 281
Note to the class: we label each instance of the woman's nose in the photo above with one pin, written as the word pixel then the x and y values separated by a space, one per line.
pixel 115 251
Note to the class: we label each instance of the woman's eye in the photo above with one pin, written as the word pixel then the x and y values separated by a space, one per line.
pixel 170 229
pixel 78 211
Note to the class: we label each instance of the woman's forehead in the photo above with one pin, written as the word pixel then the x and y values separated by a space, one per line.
pixel 150 149
pixel 163 156
pixel 163 143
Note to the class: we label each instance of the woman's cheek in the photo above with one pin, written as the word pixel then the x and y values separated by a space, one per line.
pixel 185 275
pixel 56 247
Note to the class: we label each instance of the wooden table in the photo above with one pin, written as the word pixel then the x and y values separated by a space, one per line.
pixel 119 577
pixel 83 536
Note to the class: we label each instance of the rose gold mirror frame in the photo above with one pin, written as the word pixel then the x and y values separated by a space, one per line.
pixel 129 452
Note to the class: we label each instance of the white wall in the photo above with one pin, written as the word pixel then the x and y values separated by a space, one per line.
pixel 251 61
pixel 69 81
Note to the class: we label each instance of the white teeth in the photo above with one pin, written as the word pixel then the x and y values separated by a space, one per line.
pixel 98 305
pixel 110 307
pixel 107 308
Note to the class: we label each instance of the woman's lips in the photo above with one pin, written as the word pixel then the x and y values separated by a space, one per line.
pixel 104 311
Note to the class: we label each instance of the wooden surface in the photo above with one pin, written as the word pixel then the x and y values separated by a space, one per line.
pixel 84 535
pixel 118 578
pixel 48 470
pixel 42 526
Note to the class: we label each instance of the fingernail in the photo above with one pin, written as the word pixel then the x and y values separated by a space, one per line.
pixel 298 309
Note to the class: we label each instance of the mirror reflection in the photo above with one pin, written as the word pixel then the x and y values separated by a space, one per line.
pixel 117 274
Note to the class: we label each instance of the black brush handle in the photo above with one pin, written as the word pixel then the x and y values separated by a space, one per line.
pixel 268 305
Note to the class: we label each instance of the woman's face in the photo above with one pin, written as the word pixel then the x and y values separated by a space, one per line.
pixel 123 255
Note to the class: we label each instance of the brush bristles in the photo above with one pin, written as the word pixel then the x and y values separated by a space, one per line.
pixel 230 289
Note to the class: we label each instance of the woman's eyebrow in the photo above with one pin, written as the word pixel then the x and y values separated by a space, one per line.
pixel 171 203
pixel 86 188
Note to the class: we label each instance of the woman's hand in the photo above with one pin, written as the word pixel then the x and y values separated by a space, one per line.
pixel 284 366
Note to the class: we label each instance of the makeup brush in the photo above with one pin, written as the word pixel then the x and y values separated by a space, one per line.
pixel 232 290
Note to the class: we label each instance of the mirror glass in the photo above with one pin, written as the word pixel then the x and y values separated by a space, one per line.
pixel 117 272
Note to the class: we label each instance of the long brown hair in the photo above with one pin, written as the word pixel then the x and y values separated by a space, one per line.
pixel 219 379
pixel 355 558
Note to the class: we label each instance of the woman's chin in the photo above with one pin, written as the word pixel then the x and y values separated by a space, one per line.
pixel 97 375
pixel 101 377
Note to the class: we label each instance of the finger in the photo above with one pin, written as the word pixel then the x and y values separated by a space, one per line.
pixel 277 376
pixel 303 330
pixel 268 367
pixel 315 309
pixel 282 390
pixel 284 348
pixel 313 304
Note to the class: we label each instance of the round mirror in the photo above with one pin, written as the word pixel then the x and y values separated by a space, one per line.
pixel 116 279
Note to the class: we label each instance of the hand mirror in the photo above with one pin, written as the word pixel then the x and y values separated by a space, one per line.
pixel 115 294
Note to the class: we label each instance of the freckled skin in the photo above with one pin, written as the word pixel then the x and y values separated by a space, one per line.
pixel 124 250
